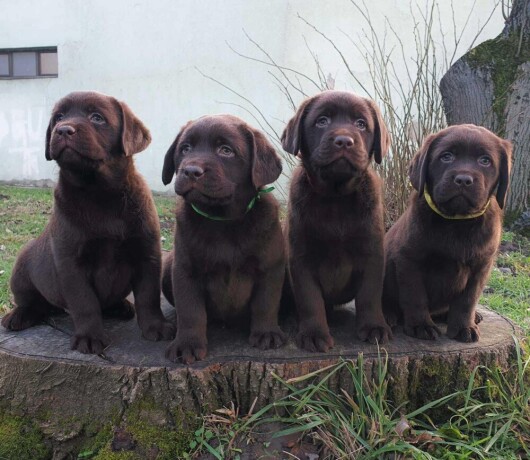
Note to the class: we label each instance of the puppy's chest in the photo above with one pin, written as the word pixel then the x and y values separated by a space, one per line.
pixel 228 293
pixel 229 274
pixel 107 253
pixel 337 224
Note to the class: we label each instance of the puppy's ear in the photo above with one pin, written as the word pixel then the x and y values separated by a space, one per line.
pixel 135 137
pixel 292 134
pixel 504 172
pixel 419 164
pixel 48 138
pixel 266 165
pixel 381 143
pixel 168 169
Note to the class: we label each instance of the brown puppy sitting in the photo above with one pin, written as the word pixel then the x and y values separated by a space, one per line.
pixel 441 250
pixel 335 226
pixel 229 259
pixel 103 238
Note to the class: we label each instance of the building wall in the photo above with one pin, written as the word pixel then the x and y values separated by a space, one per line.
pixel 150 53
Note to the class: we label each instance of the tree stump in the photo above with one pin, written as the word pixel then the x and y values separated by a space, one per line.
pixel 490 86
pixel 64 390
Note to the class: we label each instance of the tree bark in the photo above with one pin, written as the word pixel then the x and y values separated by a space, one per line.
pixel 490 86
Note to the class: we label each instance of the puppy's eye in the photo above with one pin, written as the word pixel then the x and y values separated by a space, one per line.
pixel 322 121
pixel 447 157
pixel 361 124
pixel 186 148
pixel 58 117
pixel 226 151
pixel 484 161
pixel 96 118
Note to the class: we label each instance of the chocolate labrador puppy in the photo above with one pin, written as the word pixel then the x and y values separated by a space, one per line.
pixel 335 226
pixel 103 238
pixel 440 252
pixel 228 262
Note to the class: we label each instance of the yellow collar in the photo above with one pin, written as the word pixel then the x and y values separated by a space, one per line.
pixel 431 204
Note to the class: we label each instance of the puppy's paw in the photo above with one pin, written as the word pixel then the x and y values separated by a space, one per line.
pixel 187 350
pixel 159 330
pixel 20 318
pixel 89 343
pixel 120 310
pixel 424 331
pixel 466 334
pixel 375 333
pixel 314 340
pixel 265 340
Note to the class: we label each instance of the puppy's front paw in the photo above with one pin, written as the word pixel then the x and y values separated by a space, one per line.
pixel 374 333
pixel 466 334
pixel 90 343
pixel 187 349
pixel 265 340
pixel 20 318
pixel 425 331
pixel 314 339
pixel 159 330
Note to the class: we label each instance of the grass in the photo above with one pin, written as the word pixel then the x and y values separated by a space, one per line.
pixel 24 213
pixel 508 290
pixel 490 419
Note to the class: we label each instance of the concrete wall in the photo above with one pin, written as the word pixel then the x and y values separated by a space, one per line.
pixel 149 53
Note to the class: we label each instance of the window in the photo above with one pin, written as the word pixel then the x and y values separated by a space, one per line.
pixel 28 63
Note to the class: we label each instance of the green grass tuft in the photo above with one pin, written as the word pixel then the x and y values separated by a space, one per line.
pixel 490 421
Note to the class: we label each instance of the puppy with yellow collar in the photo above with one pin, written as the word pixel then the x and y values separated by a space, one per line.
pixel 440 252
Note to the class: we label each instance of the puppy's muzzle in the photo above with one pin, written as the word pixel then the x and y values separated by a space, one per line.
pixel 463 180
pixel 65 131
pixel 343 142
pixel 193 172
pixel 340 170
pixel 63 134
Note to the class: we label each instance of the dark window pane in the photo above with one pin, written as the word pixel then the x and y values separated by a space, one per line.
pixel 25 64
pixel 4 65
pixel 48 64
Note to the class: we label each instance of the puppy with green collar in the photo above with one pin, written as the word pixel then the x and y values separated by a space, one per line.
pixel 228 262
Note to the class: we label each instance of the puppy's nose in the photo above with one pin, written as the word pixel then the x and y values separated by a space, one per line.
pixel 193 171
pixel 65 130
pixel 343 142
pixel 463 180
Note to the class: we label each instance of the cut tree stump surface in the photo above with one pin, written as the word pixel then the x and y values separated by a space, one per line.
pixel 51 341
pixel 40 376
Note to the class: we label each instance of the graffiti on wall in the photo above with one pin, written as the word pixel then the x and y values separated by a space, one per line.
pixel 22 142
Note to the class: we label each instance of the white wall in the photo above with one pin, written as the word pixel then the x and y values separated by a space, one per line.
pixel 147 52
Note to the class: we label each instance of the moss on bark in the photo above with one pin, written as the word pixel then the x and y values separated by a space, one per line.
pixel 20 439
pixel 499 55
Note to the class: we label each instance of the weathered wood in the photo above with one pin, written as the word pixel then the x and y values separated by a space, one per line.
pixel 490 86
pixel 64 390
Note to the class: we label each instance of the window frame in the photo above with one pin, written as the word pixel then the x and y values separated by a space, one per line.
pixel 38 71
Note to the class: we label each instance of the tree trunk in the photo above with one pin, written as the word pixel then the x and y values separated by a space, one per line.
pixel 490 86
pixel 66 392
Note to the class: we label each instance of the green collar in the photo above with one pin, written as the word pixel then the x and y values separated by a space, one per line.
pixel 249 207
pixel 431 204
